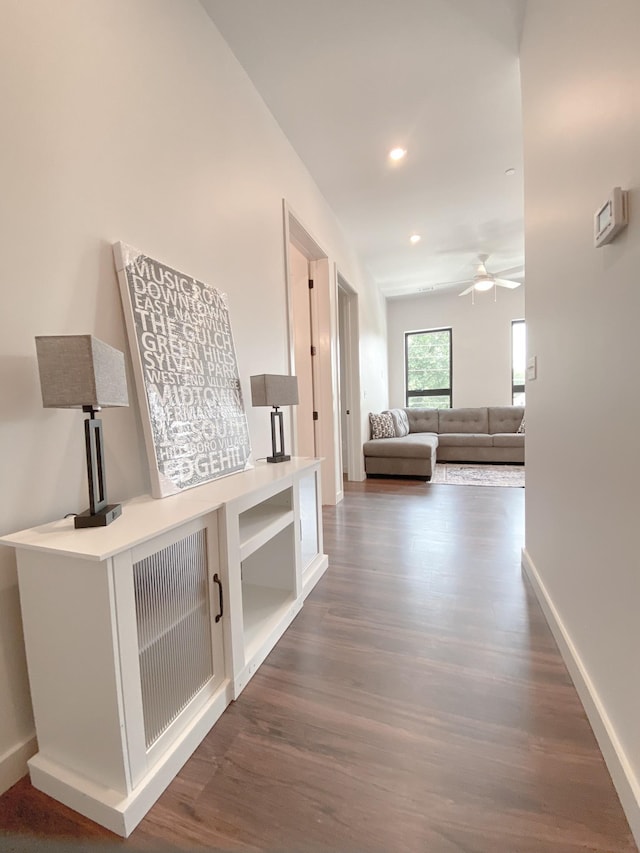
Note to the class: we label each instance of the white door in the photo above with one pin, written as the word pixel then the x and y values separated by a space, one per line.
pixel 343 356
pixel 299 274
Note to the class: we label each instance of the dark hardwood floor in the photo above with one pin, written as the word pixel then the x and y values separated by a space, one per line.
pixel 417 703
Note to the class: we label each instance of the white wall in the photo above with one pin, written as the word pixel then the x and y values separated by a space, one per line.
pixel 580 66
pixel 481 335
pixel 130 120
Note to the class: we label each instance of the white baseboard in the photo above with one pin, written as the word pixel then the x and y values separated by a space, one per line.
pixel 13 763
pixel 622 774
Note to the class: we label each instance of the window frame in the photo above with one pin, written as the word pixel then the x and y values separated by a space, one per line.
pixel 436 392
pixel 520 388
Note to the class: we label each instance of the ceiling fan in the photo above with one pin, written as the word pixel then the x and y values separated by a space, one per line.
pixel 484 280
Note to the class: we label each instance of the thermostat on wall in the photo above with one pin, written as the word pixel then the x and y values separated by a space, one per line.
pixel 611 218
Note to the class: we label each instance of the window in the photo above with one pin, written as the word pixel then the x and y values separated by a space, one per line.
pixel 428 368
pixel 518 361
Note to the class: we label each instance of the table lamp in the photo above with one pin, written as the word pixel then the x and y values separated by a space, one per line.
pixel 269 389
pixel 82 372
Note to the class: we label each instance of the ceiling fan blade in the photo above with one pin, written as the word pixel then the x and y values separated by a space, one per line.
pixel 517 271
pixel 468 290
pixel 504 282
pixel 453 283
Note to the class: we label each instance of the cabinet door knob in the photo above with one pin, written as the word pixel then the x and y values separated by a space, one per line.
pixel 217 581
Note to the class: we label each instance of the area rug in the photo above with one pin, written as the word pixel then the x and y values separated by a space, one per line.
pixel 478 475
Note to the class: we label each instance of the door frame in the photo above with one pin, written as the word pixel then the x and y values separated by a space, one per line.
pixel 351 354
pixel 304 439
pixel 323 319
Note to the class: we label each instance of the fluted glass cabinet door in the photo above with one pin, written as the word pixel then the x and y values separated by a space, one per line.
pixel 179 641
pixel 174 635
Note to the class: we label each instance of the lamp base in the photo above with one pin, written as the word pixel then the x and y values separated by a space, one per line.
pixel 100 519
pixel 281 457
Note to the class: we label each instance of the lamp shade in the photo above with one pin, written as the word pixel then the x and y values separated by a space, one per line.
pixel 269 389
pixel 80 370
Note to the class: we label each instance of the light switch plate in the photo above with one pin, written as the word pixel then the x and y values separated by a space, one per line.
pixel 532 368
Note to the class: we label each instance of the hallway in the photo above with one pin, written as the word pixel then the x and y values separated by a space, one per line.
pixel 417 703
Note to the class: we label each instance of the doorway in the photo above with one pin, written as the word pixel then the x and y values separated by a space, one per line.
pixel 345 396
pixel 304 350
pixel 313 357
pixel 349 361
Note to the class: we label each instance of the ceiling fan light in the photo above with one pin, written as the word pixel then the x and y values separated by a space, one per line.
pixel 483 283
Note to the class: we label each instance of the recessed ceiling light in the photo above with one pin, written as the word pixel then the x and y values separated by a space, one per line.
pixel 510 172
pixel 415 238
pixel 397 153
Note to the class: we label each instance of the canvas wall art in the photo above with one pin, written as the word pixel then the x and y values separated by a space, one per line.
pixel 186 373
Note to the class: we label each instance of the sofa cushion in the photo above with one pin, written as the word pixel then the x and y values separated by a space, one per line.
pixel 382 425
pixel 521 428
pixel 508 439
pixel 413 446
pixel 422 420
pixel 505 418
pixel 463 420
pixel 400 422
pixel 465 439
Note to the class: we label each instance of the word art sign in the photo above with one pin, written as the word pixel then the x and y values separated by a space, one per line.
pixel 186 374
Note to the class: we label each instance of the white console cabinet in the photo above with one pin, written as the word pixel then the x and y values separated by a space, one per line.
pixel 138 635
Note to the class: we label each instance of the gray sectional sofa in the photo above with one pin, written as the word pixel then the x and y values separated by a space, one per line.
pixel 424 436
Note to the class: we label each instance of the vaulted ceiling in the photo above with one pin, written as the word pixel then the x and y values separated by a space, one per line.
pixel 349 80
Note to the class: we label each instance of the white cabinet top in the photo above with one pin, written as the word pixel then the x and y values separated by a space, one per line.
pixel 145 517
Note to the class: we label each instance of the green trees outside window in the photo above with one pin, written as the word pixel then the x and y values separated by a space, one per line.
pixel 428 369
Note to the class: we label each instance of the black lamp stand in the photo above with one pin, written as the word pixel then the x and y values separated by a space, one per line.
pixel 99 513
pixel 277 455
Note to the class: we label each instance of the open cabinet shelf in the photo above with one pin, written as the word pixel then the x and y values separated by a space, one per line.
pixel 262 608
pixel 259 524
pixel 269 588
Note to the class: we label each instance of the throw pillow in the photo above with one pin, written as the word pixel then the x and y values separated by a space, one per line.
pixel 400 422
pixel 382 425
pixel 521 427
